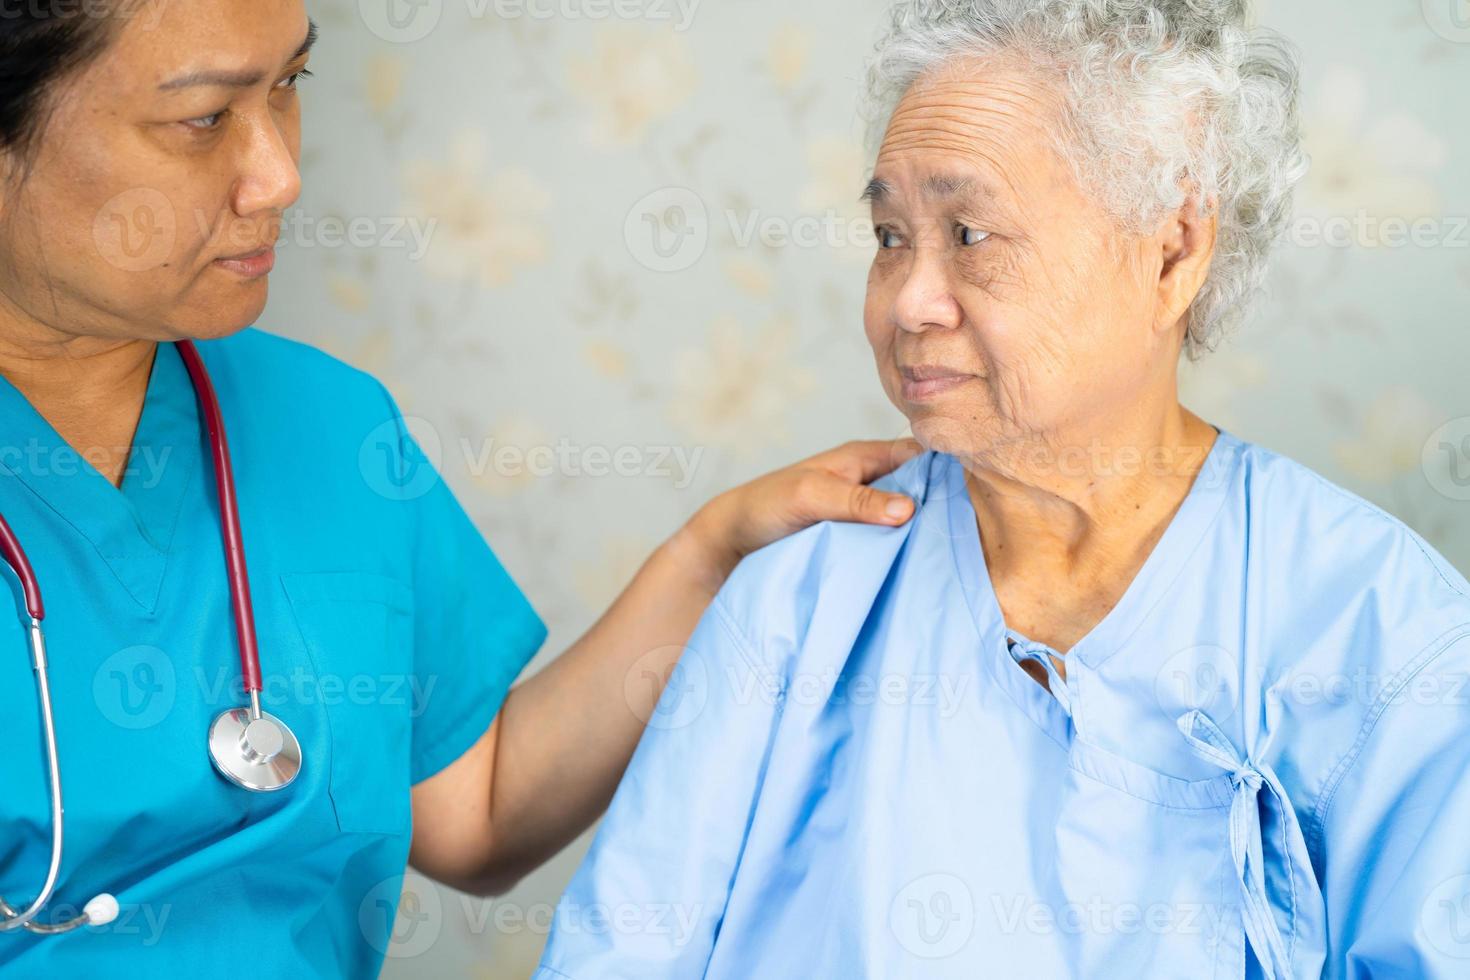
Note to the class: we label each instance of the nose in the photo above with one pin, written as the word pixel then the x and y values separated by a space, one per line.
pixel 269 178
pixel 925 300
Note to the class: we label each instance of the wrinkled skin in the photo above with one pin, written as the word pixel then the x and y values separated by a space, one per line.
pixel 1043 330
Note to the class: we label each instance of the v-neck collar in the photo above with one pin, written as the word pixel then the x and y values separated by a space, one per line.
pixel 1180 540
pixel 132 526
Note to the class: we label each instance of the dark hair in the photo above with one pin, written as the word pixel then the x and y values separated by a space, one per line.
pixel 42 42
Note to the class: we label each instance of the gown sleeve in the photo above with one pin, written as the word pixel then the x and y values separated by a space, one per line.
pixel 474 631
pixel 1397 832
pixel 647 902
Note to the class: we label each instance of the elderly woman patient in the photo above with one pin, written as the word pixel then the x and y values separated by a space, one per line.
pixel 1130 696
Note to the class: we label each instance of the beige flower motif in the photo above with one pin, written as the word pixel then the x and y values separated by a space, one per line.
pixel 384 82
pixel 738 391
pixel 1390 437
pixel 836 167
pixel 607 359
pixel 512 459
pixel 633 79
pixel 486 226
pixel 786 58
pixel 349 292
pixel 598 582
pixel 1383 167
pixel 750 276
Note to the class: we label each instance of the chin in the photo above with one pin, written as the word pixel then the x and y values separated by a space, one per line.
pixel 221 318
pixel 946 434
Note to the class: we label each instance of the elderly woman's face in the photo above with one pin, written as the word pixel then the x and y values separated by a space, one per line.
pixel 176 148
pixel 1003 306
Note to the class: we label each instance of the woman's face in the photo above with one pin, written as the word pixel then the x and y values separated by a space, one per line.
pixel 1004 307
pixel 175 149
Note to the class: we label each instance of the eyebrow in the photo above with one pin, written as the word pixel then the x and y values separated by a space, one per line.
pixel 941 186
pixel 236 79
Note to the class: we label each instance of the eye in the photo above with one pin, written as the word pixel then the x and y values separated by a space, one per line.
pixel 970 236
pixel 887 237
pixel 205 123
pixel 290 80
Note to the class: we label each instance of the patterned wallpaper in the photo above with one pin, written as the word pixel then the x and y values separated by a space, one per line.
pixel 609 255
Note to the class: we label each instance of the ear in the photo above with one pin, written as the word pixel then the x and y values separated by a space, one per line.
pixel 1186 243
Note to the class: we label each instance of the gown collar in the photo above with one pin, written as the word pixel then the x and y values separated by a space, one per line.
pixel 1163 567
pixel 132 527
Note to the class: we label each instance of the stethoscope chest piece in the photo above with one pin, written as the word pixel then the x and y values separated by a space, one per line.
pixel 256 753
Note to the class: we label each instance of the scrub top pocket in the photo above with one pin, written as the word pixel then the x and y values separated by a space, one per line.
pixel 357 628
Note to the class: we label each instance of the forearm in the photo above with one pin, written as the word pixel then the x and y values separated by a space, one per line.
pixel 566 735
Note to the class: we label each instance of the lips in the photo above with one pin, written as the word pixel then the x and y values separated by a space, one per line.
pixel 252 264
pixel 924 381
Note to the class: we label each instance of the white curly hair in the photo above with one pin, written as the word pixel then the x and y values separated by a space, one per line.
pixel 1164 101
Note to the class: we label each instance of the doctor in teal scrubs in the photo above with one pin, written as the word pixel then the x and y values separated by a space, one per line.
pixel 390 634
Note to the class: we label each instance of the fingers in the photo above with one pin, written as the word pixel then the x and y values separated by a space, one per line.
pixel 864 461
pixel 832 498
pixel 869 506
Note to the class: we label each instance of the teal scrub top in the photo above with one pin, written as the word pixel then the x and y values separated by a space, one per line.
pixel 389 635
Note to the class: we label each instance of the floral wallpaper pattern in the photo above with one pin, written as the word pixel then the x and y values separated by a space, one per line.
pixel 610 257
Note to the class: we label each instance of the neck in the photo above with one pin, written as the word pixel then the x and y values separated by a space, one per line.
pixel 1067 523
pixel 90 389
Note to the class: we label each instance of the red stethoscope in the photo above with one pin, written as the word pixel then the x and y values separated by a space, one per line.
pixel 249 747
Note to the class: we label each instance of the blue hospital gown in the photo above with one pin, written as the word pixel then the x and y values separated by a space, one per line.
pixel 1258 763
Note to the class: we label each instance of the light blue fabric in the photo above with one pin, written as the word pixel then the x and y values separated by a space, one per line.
pixel 1258 763
pixel 389 636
